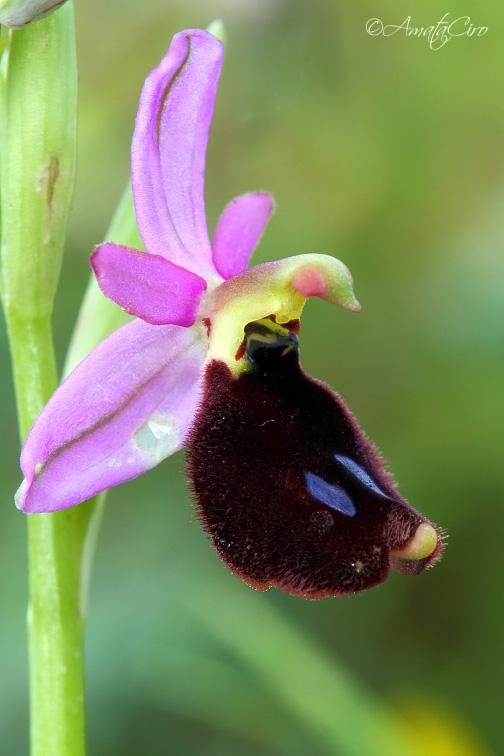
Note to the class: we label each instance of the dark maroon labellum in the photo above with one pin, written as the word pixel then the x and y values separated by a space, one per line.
pixel 288 487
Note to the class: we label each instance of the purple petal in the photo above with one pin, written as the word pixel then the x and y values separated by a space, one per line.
pixel 126 407
pixel 238 232
pixel 148 286
pixel 169 147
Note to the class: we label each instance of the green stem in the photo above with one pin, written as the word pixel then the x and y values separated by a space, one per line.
pixel 56 630
pixel 33 364
pixel 37 167
pixel 55 620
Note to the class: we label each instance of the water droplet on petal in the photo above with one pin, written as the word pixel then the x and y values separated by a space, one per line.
pixel 158 437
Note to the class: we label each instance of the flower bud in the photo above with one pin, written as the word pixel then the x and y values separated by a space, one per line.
pixel 18 13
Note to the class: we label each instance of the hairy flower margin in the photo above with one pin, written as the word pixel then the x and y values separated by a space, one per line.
pixel 133 401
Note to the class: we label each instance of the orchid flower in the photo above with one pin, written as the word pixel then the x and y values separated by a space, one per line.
pixel 286 484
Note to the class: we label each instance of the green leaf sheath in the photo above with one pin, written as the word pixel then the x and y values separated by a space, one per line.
pixel 99 316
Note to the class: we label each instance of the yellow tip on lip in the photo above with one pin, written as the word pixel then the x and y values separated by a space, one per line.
pixel 421 545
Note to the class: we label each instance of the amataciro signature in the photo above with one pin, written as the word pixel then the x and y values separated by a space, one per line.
pixel 437 35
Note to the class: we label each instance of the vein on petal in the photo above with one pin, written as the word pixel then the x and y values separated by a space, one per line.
pixel 104 420
pixel 164 98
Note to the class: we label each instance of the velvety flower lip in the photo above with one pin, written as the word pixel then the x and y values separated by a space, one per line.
pixel 211 360
pixel 287 486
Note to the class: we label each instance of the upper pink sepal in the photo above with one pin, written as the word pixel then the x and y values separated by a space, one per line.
pixel 238 232
pixel 126 407
pixel 169 148
pixel 148 286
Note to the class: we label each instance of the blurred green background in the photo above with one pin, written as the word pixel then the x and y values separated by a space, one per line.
pixel 388 155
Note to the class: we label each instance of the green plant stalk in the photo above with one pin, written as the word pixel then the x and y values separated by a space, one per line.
pixel 55 621
pixel 37 169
